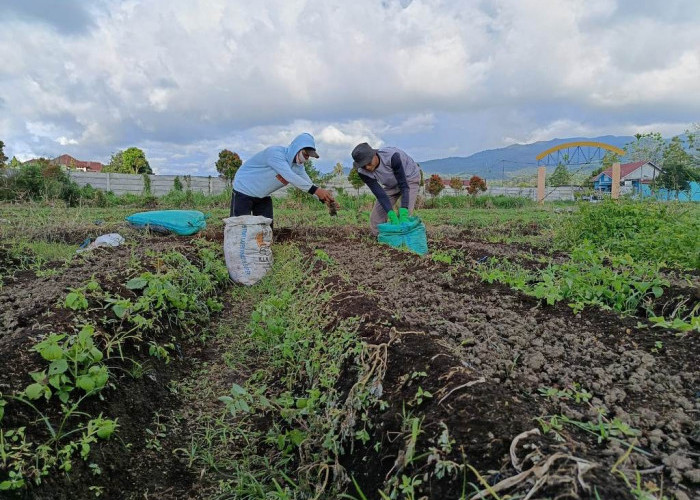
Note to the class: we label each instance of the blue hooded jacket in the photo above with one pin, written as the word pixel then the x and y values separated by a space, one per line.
pixel 273 168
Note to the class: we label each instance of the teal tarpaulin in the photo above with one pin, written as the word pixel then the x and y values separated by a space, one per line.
pixel 410 235
pixel 182 222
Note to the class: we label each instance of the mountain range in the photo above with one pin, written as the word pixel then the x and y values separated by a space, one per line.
pixel 510 161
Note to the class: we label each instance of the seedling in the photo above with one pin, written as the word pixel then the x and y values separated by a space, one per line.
pixel 321 255
pixel 153 441
pixel 573 392
pixel 442 257
pixel 420 396
pixel 76 300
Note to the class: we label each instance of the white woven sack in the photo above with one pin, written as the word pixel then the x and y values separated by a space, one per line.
pixel 247 241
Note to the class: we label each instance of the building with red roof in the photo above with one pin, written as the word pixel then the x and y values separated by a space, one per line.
pixel 631 174
pixel 84 166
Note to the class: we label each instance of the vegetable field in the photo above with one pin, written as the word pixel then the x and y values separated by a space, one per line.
pixel 533 353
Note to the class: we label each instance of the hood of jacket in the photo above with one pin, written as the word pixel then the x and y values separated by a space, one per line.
pixel 300 142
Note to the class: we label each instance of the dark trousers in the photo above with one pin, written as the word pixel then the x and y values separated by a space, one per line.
pixel 242 204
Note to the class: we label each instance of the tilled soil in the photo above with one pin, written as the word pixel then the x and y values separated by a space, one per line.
pixel 31 307
pixel 508 346
pixel 485 352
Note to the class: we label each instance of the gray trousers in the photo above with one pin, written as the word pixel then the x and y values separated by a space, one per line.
pixel 378 215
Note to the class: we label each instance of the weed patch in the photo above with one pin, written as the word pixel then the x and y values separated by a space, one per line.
pixel 657 232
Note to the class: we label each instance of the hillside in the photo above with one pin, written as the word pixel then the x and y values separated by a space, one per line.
pixel 516 159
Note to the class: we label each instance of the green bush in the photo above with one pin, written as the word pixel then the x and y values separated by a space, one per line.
pixel 29 182
pixel 650 231
pixel 484 201
pixel 43 181
pixel 349 202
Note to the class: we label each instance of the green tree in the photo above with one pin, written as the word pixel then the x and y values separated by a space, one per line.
pixel 228 164
pixel 560 177
pixel 130 161
pixel 355 179
pixel 115 164
pixel 646 147
pixel 609 158
pixel 434 185
pixel 135 161
pixel 338 169
pixel 678 171
pixel 694 144
pixel 317 178
pixel 3 158
pixel 15 163
pixel 313 173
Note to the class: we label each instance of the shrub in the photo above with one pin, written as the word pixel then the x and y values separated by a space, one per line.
pixel 456 184
pixel 476 185
pixel 29 181
pixel 462 201
pixel 650 231
pixel 434 185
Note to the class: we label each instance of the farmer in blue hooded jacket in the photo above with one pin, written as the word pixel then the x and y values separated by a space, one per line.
pixel 389 173
pixel 270 170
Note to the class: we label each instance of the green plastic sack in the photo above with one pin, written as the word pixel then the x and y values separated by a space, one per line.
pixel 181 222
pixel 410 235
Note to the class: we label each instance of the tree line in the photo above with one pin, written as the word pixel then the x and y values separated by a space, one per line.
pixel 678 159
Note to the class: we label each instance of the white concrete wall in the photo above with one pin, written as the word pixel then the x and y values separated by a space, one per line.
pixel 648 172
pixel 163 184
pixel 133 184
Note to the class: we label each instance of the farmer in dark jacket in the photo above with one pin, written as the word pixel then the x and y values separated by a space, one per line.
pixel 389 173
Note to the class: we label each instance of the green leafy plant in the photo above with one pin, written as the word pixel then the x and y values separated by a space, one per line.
pixel 74 361
pixel 592 277
pixel 420 397
pixel 153 441
pixel 441 257
pixel 76 300
pixel 573 392
pixel 689 324
pixel 323 256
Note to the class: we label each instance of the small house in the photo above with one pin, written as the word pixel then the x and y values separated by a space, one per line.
pixel 631 174
pixel 68 161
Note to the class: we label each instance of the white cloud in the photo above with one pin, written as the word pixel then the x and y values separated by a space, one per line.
pixel 571 128
pixel 64 141
pixel 182 75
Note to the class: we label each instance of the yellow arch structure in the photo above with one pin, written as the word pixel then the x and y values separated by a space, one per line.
pixel 592 144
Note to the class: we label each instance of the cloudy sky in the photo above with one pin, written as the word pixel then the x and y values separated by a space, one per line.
pixel 183 79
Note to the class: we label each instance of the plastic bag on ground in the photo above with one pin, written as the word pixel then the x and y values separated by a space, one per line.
pixel 181 222
pixel 105 240
pixel 247 248
pixel 410 235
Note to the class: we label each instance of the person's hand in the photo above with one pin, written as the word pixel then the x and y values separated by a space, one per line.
pixel 403 215
pixel 324 195
pixel 393 218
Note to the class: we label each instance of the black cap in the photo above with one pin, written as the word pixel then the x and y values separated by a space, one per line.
pixel 362 155
pixel 311 152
